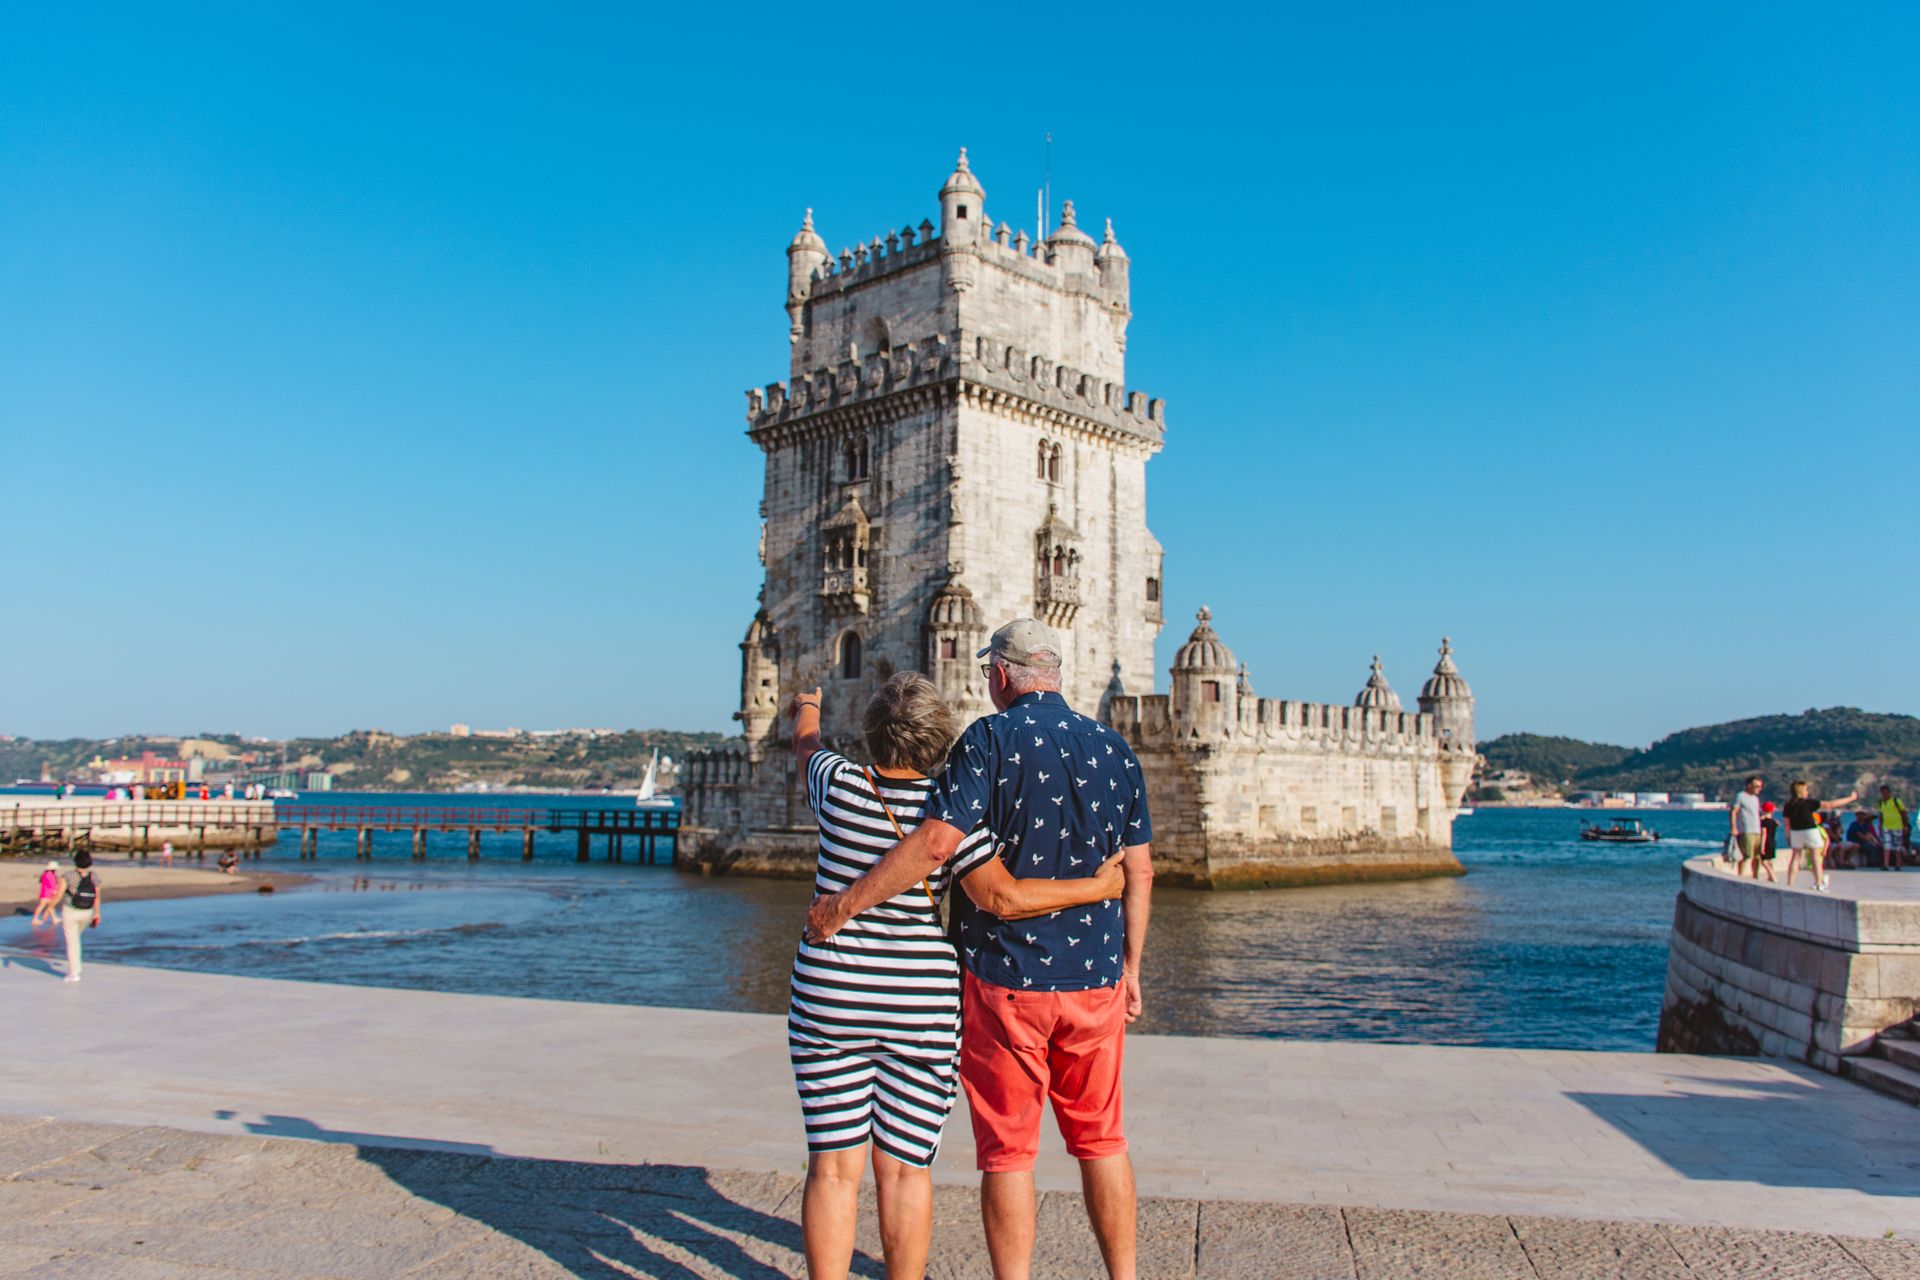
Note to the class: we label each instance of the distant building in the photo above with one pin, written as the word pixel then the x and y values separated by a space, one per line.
pixel 148 768
pixel 460 731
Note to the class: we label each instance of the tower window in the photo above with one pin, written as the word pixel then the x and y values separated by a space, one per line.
pixel 949 649
pixel 1041 472
pixel 850 656
pixel 1209 691
pixel 1153 590
pixel 858 459
pixel 1053 465
pixel 962 210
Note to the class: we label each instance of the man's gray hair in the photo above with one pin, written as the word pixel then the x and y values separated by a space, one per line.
pixel 1022 678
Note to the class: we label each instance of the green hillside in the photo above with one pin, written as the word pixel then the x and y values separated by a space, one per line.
pixel 1550 761
pixel 1839 749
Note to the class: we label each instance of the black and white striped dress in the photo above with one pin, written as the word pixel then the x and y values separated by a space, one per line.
pixel 873 1026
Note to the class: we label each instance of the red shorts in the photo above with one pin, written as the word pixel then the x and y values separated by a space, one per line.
pixel 1021 1048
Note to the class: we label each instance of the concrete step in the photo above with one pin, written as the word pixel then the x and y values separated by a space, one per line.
pixel 1901 1053
pixel 1877 1073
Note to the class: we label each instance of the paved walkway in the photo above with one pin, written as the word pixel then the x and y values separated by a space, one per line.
pixel 82 1200
pixel 1322 1135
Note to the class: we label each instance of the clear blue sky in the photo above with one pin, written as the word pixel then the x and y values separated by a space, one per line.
pixel 382 367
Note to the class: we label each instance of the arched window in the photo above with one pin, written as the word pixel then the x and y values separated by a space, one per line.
pixel 874 337
pixel 858 458
pixel 1053 465
pixel 850 656
pixel 1041 473
pixel 1059 563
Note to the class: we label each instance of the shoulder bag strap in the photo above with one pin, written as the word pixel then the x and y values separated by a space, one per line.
pixel 896 829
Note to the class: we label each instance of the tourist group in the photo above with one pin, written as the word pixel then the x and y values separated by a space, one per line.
pixel 1815 832
pixel 1038 815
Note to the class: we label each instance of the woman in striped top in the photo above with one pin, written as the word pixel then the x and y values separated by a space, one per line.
pixel 873 1026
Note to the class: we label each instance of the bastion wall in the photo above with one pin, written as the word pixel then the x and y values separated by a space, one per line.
pixel 1759 970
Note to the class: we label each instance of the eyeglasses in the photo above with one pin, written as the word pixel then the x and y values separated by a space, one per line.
pixel 986 669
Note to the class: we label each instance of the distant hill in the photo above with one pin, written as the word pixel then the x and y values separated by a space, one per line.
pixel 1552 762
pixel 1839 749
pixel 369 760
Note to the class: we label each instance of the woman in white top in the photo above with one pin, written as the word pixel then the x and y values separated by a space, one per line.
pixel 873 1027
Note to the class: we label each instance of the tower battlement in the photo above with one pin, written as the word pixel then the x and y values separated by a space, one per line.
pixel 1151 720
pixel 1049 390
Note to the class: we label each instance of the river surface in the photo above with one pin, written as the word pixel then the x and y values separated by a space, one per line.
pixel 1546 942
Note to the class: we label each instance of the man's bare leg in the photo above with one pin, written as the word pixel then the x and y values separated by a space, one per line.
pixel 1107 1184
pixel 1007 1210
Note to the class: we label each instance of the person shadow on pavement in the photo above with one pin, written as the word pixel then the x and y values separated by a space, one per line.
pixel 597 1220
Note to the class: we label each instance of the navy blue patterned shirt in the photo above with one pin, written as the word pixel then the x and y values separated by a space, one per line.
pixel 1059 793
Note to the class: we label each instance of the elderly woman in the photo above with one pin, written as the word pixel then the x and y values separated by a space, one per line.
pixel 874 1021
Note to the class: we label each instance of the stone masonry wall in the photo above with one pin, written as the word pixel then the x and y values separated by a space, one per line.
pixel 1759 970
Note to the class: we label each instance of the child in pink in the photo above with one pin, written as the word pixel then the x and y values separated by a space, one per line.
pixel 49 894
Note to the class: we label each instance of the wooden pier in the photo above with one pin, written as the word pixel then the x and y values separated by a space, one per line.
pixel 195 826
pixel 138 826
pixel 645 828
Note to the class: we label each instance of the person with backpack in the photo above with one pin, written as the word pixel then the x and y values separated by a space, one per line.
pixel 79 908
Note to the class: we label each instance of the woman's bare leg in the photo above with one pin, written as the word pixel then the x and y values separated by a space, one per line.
pixel 828 1208
pixel 906 1215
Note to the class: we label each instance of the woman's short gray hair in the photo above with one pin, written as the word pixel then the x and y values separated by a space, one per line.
pixel 908 725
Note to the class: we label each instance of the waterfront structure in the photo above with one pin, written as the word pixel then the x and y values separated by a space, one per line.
pixel 955 445
pixel 1759 969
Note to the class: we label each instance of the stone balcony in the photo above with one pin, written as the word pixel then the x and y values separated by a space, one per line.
pixel 845 590
pixel 1056 599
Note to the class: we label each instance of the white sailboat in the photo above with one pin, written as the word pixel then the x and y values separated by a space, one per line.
pixel 645 798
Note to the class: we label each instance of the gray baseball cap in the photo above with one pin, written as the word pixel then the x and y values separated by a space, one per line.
pixel 1027 641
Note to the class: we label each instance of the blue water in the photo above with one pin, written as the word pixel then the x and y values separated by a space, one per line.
pixel 1547 942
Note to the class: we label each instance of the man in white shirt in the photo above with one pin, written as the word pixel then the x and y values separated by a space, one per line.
pixel 1743 824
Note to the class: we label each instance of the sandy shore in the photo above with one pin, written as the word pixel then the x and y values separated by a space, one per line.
pixel 127 881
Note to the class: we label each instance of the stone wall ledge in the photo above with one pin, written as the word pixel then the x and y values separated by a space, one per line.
pixel 1859 919
pixel 1761 969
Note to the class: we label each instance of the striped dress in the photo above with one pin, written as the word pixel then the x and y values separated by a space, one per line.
pixel 873 1026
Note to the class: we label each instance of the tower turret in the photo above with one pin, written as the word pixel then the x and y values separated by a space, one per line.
pixel 1447 698
pixel 963 205
pixel 1072 248
pixel 955 630
pixel 759 680
pixel 1206 678
pixel 806 255
pixel 1115 268
pixel 1378 695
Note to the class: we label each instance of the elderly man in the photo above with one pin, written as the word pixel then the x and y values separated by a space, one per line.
pixel 1047 1000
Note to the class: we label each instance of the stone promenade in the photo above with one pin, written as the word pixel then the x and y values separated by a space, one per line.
pixel 123 1203
pixel 468 1135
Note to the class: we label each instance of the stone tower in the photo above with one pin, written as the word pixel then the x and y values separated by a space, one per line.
pixel 954 447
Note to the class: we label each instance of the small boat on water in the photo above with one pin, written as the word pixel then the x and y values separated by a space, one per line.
pixel 645 798
pixel 1628 831
pixel 281 793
